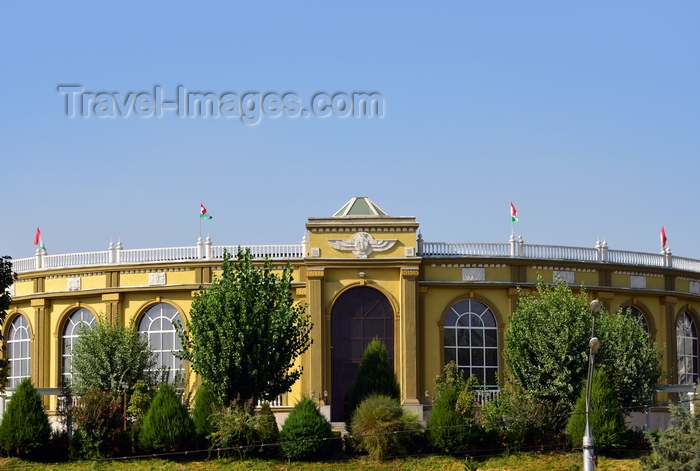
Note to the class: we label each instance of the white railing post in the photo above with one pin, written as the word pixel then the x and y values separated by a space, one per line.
pixel 511 241
pixel 598 251
pixel 419 244
pixel 207 248
pixel 119 252
pixel 304 246
pixel 38 258
pixel 521 248
pixel 668 258
pixel 200 248
pixel 604 250
pixel 112 253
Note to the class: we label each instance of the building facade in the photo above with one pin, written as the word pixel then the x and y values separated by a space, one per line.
pixel 362 274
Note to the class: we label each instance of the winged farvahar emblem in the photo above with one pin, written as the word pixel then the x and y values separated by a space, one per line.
pixel 362 244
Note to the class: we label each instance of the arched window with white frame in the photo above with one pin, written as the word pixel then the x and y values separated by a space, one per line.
pixel 687 348
pixel 78 319
pixel 158 325
pixel 18 351
pixel 470 339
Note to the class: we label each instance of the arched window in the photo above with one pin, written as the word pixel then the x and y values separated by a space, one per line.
pixel 639 315
pixel 18 351
pixel 77 320
pixel 471 340
pixel 687 349
pixel 158 325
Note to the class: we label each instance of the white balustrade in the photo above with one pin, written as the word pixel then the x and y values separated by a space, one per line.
pixel 636 258
pixel 168 254
pixel 473 249
pixel 277 252
pixel 24 264
pixel 553 252
pixel 75 259
pixel 686 264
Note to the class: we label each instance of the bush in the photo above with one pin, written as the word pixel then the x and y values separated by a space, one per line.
pixel 99 426
pixel 383 427
pixel 375 375
pixel 205 404
pixel 606 418
pixel 25 427
pixel 453 426
pixel 167 427
pixel 306 431
pixel 267 431
pixel 234 431
pixel 677 448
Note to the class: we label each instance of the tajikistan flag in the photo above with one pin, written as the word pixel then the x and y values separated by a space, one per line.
pixel 513 213
pixel 37 239
pixel 203 212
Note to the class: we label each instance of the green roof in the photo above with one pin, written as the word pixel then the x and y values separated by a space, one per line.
pixel 359 206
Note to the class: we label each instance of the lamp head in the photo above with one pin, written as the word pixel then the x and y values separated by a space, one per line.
pixel 595 307
pixel 594 343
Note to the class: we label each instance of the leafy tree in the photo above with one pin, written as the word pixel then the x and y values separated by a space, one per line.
pixel 25 426
pixel 547 350
pixel 245 332
pixel 606 418
pixel 167 426
pixel 7 278
pixel 375 375
pixel 99 431
pixel 108 355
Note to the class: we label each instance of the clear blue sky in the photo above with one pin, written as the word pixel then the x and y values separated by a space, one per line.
pixel 585 115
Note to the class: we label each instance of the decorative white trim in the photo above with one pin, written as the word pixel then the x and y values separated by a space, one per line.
pixel 11 290
pixel 638 281
pixel 566 275
pixel 315 252
pixel 156 279
pixel 694 287
pixel 410 251
pixel 73 284
pixel 362 244
pixel 473 274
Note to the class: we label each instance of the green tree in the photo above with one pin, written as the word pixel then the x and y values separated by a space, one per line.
pixel 167 426
pixel 25 426
pixel 606 418
pixel 7 278
pixel 108 355
pixel 245 332
pixel 547 350
pixel 306 432
pixel 677 448
pixel 375 375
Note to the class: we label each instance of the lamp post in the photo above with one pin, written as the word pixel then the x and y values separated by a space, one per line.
pixel 594 344
pixel 125 387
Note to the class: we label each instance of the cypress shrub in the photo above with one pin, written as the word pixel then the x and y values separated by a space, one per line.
pixel 267 430
pixel 167 427
pixel 606 418
pixel 25 426
pixel 383 427
pixel 205 404
pixel 306 431
pixel 677 448
pixel 375 375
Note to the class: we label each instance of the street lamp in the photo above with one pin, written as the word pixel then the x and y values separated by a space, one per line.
pixel 594 344
pixel 125 387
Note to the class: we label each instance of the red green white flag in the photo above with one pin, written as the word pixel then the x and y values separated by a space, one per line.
pixel 663 237
pixel 203 212
pixel 37 239
pixel 513 213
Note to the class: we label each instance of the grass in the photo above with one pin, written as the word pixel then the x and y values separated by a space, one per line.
pixel 513 462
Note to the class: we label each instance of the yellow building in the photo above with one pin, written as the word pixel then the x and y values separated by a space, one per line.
pixel 363 274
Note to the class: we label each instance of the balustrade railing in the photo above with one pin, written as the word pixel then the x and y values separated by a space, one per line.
pixel 636 258
pixel 75 259
pixel 553 252
pixel 288 251
pixel 168 254
pixel 470 249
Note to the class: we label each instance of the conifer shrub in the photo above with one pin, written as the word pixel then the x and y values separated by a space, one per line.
pixel 606 418
pixel 267 431
pixel 167 427
pixel 453 424
pixel 384 428
pixel 205 404
pixel 234 432
pixel 677 448
pixel 98 420
pixel 306 433
pixel 25 426
pixel 375 375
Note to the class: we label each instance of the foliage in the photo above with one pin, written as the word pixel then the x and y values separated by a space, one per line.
pixel 25 426
pixel 99 426
pixel 547 350
pixel 205 404
pixel 7 278
pixel 167 427
pixel 453 424
pixel 234 431
pixel 245 332
pixel 306 431
pixel 375 375
pixel 677 448
pixel 383 427
pixel 518 419
pixel 606 419
pixel 632 362
pixel 268 432
pixel 108 355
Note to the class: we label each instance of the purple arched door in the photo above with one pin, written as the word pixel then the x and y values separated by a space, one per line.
pixel 359 315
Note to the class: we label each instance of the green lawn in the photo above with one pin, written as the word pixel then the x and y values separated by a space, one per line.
pixel 514 462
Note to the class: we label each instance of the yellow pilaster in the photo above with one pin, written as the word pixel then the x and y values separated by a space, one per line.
pixel 313 378
pixel 113 307
pixel 409 335
pixel 40 344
